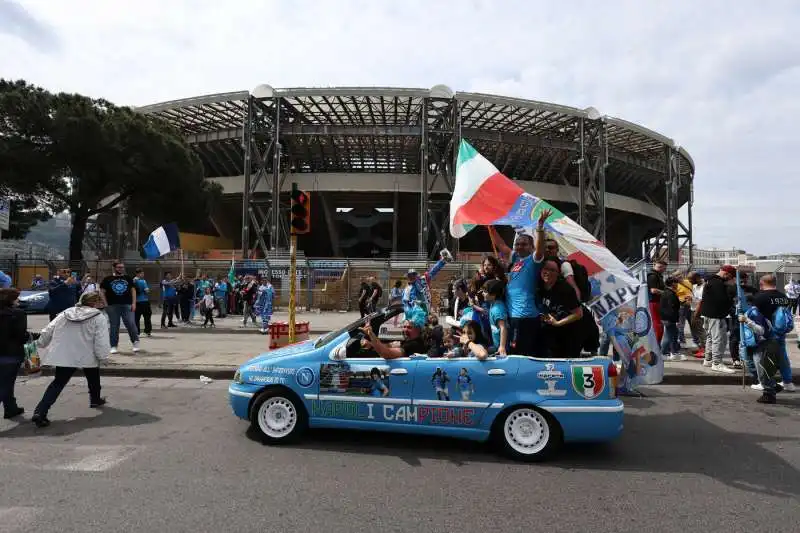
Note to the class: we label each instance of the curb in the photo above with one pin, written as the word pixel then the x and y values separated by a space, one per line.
pixel 227 374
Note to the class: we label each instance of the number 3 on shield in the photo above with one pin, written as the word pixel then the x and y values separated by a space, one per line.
pixel 588 381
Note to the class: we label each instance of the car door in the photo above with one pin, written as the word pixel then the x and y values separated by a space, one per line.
pixel 364 389
pixel 457 392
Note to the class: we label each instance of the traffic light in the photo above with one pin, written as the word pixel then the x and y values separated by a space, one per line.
pixel 301 211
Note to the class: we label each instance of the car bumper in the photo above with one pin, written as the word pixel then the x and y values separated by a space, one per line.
pixel 240 395
pixel 588 421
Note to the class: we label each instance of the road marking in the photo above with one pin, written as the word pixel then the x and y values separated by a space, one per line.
pixel 97 459
pixel 67 458
pixel 17 518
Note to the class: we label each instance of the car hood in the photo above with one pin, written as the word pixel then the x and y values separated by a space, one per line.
pixel 292 349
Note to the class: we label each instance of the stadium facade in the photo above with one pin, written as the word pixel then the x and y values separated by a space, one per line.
pixel 379 164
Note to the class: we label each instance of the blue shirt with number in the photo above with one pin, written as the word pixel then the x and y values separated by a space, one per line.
pixel 523 275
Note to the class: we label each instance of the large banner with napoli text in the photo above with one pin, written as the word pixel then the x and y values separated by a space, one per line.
pixel 619 301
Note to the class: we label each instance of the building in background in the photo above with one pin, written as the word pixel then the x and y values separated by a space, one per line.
pixel 379 164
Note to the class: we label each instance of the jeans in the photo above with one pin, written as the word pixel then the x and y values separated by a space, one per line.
pixel 525 337
pixel 758 364
pixel 716 329
pixel 685 316
pixel 783 362
pixel 249 312
pixel 696 327
pixel 62 377
pixel 168 310
pixel 8 377
pixel 222 307
pixel 186 309
pixel 669 342
pixel 115 313
pixel 143 309
pixel 208 314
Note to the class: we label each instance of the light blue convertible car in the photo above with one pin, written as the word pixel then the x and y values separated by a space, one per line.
pixel 528 406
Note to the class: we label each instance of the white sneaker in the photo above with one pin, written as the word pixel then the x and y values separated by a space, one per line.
pixel 676 357
pixel 789 387
pixel 757 386
pixel 114 350
pixel 722 368
pixel 707 363
pixel 135 346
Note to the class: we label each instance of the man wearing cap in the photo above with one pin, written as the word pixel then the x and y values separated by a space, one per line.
pixel 714 307
pixel 524 264
pixel 418 292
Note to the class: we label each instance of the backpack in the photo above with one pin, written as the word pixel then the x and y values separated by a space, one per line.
pixel 749 337
pixel 782 322
pixel 581 276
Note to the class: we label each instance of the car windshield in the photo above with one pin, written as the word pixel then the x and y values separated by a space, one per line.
pixel 376 319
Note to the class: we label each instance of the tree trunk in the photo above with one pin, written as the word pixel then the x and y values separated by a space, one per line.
pixel 76 236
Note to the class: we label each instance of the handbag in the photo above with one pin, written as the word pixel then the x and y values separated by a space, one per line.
pixel 32 363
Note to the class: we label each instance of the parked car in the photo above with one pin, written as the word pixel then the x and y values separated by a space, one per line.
pixel 34 302
pixel 528 406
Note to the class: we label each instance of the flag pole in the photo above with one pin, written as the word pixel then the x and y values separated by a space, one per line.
pixel 181 250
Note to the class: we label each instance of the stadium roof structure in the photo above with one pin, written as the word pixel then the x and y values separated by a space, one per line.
pixel 384 130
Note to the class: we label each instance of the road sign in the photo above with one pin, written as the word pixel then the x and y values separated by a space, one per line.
pixel 5 213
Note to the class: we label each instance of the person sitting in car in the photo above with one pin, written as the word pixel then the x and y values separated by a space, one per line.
pixel 413 339
pixel 473 343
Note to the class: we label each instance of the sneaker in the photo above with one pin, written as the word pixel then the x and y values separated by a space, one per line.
pixel 789 386
pixel 94 404
pixel 446 255
pixel 701 353
pixel 719 367
pixel 707 363
pixel 676 357
pixel 136 347
pixel 766 398
pixel 737 365
pixel 114 350
pixel 757 386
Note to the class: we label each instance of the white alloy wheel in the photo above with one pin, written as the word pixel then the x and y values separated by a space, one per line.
pixel 277 417
pixel 529 434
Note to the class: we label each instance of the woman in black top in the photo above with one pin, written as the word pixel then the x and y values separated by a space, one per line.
pixel 561 312
pixel 13 336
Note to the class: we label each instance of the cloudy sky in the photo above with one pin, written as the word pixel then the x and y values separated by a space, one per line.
pixel 719 77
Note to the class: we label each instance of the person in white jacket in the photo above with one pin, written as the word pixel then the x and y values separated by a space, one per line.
pixel 76 338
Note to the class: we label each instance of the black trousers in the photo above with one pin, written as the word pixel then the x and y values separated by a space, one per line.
pixel 8 377
pixel 143 309
pixel 525 336
pixel 60 380
pixel 168 311
pixel 186 309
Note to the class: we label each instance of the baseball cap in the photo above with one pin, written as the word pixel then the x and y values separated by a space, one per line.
pixel 411 272
pixel 728 269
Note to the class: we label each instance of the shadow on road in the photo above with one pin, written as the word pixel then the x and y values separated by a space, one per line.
pixel 686 443
pixel 676 443
pixel 108 417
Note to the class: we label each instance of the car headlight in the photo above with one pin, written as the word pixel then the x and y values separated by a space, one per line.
pixel 237 377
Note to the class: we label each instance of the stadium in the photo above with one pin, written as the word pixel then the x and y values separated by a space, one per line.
pixel 379 164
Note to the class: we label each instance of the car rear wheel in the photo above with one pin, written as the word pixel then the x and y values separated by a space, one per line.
pixel 528 434
pixel 278 417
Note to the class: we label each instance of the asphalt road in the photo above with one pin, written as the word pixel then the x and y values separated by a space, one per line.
pixel 168 456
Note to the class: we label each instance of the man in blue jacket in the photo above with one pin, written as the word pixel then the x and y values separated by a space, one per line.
pixel 62 292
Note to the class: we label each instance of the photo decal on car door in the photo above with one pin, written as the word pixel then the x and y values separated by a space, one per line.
pixel 354 380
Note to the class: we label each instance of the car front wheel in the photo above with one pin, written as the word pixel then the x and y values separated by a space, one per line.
pixel 528 434
pixel 278 417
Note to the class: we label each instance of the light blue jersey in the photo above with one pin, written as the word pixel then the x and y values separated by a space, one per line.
pixel 523 275
pixel 497 312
